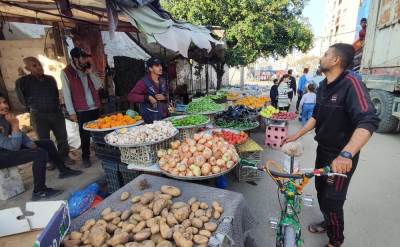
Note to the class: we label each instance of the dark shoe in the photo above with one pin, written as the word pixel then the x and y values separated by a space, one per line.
pixel 45 194
pixel 69 162
pixel 67 173
pixel 87 163
pixel 317 228
pixel 50 166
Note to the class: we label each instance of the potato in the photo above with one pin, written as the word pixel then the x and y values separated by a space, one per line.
pixel 195 206
pixel 164 212
pixel 165 230
pixel 132 220
pixel 171 221
pixel 179 228
pixel 188 236
pixel 155 228
pixel 209 213
pixel 121 238
pixel 182 214
pixel 171 190
pixel 156 238
pixel 128 227
pixel 210 226
pixel 110 228
pixel 199 212
pixel 140 226
pixel 136 208
pixel 110 216
pixel 187 223
pixel 133 244
pixel 101 222
pixel 106 211
pixel 126 214
pixel 159 205
pixel 178 205
pixel 200 239
pixel 88 224
pixel 204 218
pixel 146 198
pixel 216 204
pixel 121 224
pixel 181 241
pixel 120 245
pixel 203 205
pixel 116 220
pixel 150 206
pixel 219 209
pixel 137 217
pixel 142 235
pixel 124 196
pixel 165 243
pixel 191 216
pixel 117 231
pixel 84 237
pixel 192 200
pixel 151 222
pixel 198 223
pixel 205 233
pixel 192 230
pixel 97 235
pixel 135 199
pixel 148 243
pixel 217 215
pixel 75 235
pixel 71 242
pixel 146 214
pixel 164 196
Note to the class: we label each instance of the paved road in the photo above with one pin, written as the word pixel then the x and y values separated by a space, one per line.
pixel 372 215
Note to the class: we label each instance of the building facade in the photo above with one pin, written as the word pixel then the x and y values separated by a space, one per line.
pixel 340 24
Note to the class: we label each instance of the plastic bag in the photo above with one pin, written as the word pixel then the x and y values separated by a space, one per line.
pixel 81 200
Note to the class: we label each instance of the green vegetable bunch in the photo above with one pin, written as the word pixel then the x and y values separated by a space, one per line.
pixel 189 120
pixel 203 105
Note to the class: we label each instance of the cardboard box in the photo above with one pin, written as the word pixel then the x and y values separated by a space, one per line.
pixel 45 224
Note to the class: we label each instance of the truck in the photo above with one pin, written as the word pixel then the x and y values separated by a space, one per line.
pixel 380 62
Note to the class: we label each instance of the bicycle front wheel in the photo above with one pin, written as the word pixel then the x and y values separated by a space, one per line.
pixel 289 237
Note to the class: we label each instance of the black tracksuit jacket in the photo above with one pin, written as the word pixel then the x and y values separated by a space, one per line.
pixel 342 106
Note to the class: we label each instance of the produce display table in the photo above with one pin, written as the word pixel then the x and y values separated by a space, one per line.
pixel 235 222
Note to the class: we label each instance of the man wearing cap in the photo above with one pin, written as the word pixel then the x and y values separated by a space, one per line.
pixel 151 93
pixel 80 87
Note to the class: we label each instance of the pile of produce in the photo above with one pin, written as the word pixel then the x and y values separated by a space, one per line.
pixel 253 102
pixel 152 220
pixel 268 111
pixel 190 120
pixel 232 96
pixel 249 146
pixel 203 155
pixel 284 116
pixel 218 96
pixel 237 117
pixel 204 105
pixel 232 137
pixel 148 133
pixel 113 121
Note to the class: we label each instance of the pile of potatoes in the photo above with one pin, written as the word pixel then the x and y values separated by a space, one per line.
pixel 152 221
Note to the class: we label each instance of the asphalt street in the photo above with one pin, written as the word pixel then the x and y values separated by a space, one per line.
pixel 372 215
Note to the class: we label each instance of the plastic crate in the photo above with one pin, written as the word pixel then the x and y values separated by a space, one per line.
pixel 247 174
pixel 144 155
pixel 274 135
pixel 113 177
pixel 127 174
pixel 107 152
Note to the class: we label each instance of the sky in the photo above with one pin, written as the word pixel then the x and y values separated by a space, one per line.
pixel 315 10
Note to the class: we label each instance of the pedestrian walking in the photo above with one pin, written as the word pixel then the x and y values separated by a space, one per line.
pixel 301 87
pixel 307 103
pixel 292 85
pixel 38 92
pixel 273 94
pixel 80 85
pixel 283 90
pixel 344 119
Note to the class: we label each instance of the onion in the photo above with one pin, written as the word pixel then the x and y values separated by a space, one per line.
pixel 196 170
pixel 182 174
pixel 202 141
pixel 171 163
pixel 162 162
pixel 223 168
pixel 192 149
pixel 200 147
pixel 181 167
pixel 213 160
pixel 220 162
pixel 215 169
pixel 185 161
pixel 174 172
pixel 229 164
pixel 197 136
pixel 191 142
pixel 207 153
pixel 199 160
pixel 190 161
pixel 185 148
pixel 189 173
pixel 169 151
pixel 205 169
pixel 188 155
pixel 161 153
pixel 208 144
pixel 175 144
pixel 218 154
pixel 208 137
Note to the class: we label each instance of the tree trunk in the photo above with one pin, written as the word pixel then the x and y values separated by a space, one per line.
pixel 219 69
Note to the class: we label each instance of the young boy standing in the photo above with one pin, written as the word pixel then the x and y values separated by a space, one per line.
pixel 307 103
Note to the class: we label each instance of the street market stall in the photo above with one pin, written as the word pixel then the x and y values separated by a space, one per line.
pixel 232 216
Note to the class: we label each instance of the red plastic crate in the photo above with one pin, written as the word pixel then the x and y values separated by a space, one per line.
pixel 274 135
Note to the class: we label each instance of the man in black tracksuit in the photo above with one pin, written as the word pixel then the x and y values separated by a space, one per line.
pixel 344 119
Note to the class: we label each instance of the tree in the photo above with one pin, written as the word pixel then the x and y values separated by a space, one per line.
pixel 253 28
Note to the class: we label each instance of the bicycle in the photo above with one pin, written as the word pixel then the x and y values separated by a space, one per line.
pixel 291 185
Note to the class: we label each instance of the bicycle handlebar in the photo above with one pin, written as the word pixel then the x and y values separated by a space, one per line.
pixel 326 171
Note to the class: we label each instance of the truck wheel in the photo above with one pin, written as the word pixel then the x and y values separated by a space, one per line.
pixel 383 102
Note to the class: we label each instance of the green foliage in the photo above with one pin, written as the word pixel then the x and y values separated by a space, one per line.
pixel 253 28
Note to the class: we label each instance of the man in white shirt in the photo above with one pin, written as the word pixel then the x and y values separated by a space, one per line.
pixel 80 87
